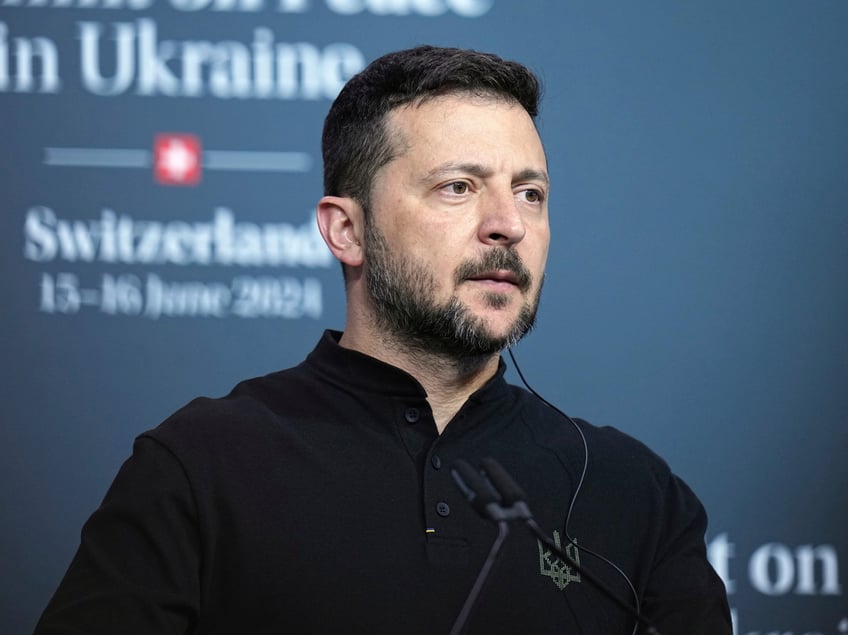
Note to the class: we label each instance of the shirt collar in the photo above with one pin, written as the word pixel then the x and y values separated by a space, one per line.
pixel 358 371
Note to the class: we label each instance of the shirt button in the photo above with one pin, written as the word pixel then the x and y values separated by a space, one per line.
pixel 443 509
pixel 412 415
pixel 436 461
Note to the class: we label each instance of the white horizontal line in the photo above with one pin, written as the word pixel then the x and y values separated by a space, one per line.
pixel 212 159
pixel 97 157
pixel 73 4
pixel 80 4
pixel 258 161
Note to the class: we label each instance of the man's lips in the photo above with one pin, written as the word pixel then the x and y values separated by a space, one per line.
pixel 501 275
pixel 501 280
pixel 499 269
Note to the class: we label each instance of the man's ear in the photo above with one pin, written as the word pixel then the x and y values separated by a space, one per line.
pixel 340 221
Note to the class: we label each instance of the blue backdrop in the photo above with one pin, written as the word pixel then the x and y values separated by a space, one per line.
pixel 160 165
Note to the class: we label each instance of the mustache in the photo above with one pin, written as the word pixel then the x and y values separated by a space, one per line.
pixel 498 258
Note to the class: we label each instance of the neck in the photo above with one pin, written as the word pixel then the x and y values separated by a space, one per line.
pixel 448 381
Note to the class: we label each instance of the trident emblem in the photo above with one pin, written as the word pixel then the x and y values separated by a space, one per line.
pixel 551 566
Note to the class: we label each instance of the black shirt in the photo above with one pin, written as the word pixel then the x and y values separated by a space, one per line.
pixel 318 499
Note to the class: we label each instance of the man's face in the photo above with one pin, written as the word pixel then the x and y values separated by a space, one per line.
pixel 457 231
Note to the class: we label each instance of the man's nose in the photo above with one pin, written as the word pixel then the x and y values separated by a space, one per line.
pixel 501 221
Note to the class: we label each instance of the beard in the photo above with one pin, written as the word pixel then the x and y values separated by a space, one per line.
pixel 402 293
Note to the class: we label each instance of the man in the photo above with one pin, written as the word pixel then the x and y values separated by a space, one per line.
pixel 319 499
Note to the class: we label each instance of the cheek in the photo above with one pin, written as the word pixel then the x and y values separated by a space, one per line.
pixel 430 253
pixel 536 250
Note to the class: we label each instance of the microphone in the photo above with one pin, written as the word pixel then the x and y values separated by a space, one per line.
pixel 491 492
pixel 487 501
pixel 496 496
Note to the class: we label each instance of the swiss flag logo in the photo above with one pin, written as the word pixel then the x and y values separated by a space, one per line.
pixel 176 159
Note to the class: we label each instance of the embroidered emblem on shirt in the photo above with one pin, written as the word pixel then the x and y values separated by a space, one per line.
pixel 551 566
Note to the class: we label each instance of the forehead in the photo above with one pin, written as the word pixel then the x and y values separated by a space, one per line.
pixel 457 124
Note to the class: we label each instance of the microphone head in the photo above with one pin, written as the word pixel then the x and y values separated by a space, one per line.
pixel 509 490
pixel 491 491
pixel 476 489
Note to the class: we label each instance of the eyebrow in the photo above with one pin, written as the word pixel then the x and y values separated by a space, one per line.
pixel 482 171
pixel 533 175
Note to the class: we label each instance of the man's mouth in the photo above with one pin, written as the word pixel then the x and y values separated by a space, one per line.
pixel 500 277
pixel 501 269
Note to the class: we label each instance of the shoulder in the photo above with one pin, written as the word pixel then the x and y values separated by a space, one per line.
pixel 606 444
pixel 617 464
pixel 613 446
pixel 251 414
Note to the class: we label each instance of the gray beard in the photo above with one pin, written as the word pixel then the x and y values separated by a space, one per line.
pixel 402 295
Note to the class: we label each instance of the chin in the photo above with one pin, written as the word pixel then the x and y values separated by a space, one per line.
pixel 499 329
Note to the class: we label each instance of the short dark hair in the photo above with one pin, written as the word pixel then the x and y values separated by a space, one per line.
pixel 355 143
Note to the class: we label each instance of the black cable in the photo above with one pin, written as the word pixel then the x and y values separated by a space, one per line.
pixel 577 488
pixel 563 555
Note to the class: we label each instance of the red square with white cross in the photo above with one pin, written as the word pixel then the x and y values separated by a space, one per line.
pixel 177 159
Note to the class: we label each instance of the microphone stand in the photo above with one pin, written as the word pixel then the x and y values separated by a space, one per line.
pixel 496 496
pixel 482 576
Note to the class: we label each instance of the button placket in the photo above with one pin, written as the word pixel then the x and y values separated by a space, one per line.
pixel 439 490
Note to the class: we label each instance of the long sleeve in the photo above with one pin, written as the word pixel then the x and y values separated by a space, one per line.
pixel 137 567
pixel 684 595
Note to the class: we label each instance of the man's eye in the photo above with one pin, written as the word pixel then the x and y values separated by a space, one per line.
pixel 533 196
pixel 458 187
